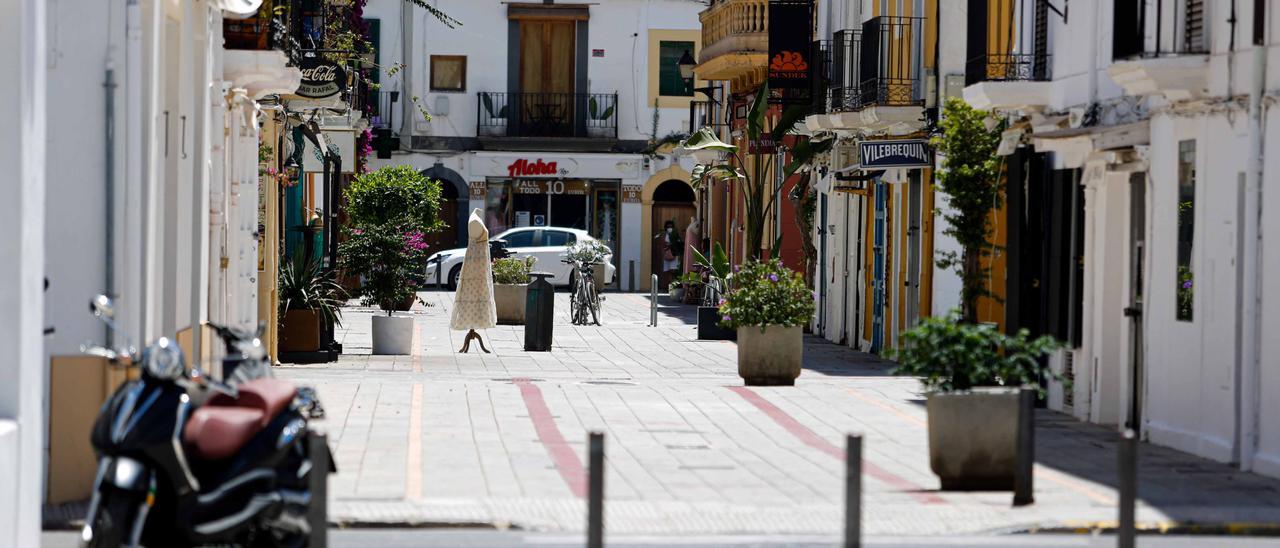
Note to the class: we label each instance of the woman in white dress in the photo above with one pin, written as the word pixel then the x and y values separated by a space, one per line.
pixel 473 305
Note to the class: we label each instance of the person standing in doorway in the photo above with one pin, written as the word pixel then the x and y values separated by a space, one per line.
pixel 672 248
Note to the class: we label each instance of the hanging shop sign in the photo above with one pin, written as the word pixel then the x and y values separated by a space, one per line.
pixel 790 45
pixel 321 78
pixel 912 153
pixel 763 145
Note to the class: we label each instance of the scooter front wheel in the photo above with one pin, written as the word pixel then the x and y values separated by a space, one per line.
pixel 112 522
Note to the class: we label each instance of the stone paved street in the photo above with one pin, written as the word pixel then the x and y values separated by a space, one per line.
pixel 499 439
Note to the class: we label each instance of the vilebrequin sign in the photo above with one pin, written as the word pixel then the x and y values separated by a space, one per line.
pixel 909 153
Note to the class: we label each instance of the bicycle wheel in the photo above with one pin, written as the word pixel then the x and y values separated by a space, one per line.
pixel 594 302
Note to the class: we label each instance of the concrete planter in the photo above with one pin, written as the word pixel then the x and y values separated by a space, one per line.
pixel 392 334
pixel 300 331
pixel 770 357
pixel 973 438
pixel 709 325
pixel 510 300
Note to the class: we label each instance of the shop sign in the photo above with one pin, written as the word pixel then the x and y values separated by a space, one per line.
pixel 527 168
pixel 914 153
pixel 476 190
pixel 321 78
pixel 578 188
pixel 763 145
pixel 631 194
pixel 790 44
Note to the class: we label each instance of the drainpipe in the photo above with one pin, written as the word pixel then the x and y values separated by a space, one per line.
pixel 1250 317
pixel 109 184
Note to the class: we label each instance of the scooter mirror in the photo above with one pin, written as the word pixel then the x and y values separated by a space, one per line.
pixel 102 305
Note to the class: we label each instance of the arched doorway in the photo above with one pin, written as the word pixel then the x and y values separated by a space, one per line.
pixel 453 210
pixel 673 200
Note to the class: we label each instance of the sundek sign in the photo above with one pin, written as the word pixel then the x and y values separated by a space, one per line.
pixel 900 153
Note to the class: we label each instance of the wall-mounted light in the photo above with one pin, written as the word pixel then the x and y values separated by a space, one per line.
pixel 686 64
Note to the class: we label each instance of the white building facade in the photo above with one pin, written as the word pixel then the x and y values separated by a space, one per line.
pixel 1138 152
pixel 545 114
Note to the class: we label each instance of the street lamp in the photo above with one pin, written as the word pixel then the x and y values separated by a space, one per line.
pixel 686 64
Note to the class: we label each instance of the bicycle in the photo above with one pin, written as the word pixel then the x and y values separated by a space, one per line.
pixel 584 298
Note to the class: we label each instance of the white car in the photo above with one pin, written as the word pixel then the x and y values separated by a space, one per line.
pixel 546 244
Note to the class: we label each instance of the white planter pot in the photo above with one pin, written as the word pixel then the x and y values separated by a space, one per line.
pixel 973 438
pixel 510 301
pixel 392 334
pixel 771 357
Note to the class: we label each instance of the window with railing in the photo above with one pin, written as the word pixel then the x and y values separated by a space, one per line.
pixel 546 114
pixel 1159 28
pixel 1008 41
pixel 892 62
pixel 846 54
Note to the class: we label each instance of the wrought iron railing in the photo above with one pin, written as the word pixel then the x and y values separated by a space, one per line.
pixel 846 54
pixel 892 62
pixel 706 114
pixel 541 114
pixel 1008 67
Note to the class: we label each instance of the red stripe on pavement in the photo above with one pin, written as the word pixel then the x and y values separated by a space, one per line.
pixel 804 434
pixel 565 458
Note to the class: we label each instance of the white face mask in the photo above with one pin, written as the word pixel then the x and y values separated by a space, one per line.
pixel 670 230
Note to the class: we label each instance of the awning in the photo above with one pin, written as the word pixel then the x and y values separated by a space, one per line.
pixel 237 9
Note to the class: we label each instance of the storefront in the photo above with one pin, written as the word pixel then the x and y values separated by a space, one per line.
pixel 586 192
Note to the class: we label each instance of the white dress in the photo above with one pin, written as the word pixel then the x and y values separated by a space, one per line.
pixel 473 306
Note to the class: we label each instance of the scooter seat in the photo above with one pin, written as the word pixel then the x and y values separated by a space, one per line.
pixel 218 432
pixel 224 424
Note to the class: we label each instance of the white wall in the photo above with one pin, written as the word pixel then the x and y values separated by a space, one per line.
pixel 1267 457
pixel 23 153
pixel 620 27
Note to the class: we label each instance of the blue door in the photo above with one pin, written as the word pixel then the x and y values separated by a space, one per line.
pixel 878 267
pixel 821 283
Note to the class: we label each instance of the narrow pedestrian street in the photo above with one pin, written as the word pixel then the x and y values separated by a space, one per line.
pixel 498 440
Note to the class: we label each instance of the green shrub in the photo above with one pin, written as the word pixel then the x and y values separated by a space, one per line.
pixel 766 293
pixel 395 195
pixel 512 270
pixel 948 355
pixel 304 285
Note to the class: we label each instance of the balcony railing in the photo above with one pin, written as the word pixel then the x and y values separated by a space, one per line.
pixel 892 61
pixel 538 114
pixel 382 112
pixel 265 31
pixel 846 54
pixel 735 25
pixel 706 114
pixel 1008 67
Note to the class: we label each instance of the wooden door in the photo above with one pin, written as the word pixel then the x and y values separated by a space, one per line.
pixel 547 75
pixel 447 237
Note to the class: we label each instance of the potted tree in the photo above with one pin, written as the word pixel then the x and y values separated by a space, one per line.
pixel 768 305
pixel 309 298
pixel 511 288
pixel 971 375
pixel 716 267
pixel 389 210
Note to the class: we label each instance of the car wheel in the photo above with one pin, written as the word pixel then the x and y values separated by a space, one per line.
pixel 454 275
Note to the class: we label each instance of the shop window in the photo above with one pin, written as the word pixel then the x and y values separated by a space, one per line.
pixel 1186 228
pixel 448 73
pixel 669 81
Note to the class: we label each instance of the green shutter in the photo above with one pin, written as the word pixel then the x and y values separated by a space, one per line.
pixel 669 81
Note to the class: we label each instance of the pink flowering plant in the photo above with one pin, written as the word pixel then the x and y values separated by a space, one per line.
pixel 390 213
pixel 766 293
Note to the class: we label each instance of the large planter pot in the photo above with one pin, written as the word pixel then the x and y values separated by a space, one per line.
pixel 406 304
pixel 973 438
pixel 676 294
pixel 392 334
pixel 510 300
pixel 709 325
pixel 770 357
pixel 598 274
pixel 300 331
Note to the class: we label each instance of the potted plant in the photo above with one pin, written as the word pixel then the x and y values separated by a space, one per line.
pixel 972 374
pixel 684 287
pixel 675 290
pixel 716 267
pixel 511 288
pixel 309 298
pixel 768 306
pixel 389 211
pixel 598 127
pixel 591 252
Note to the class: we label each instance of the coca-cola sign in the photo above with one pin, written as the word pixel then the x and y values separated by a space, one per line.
pixel 321 78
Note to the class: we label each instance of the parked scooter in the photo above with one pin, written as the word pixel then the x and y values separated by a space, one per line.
pixel 185 459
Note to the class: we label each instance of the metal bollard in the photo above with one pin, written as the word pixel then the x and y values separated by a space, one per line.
pixel 318 513
pixel 1128 468
pixel 631 275
pixel 853 491
pixel 595 491
pixel 1024 468
pixel 653 302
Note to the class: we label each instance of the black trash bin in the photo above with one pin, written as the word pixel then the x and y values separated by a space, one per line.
pixel 539 313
